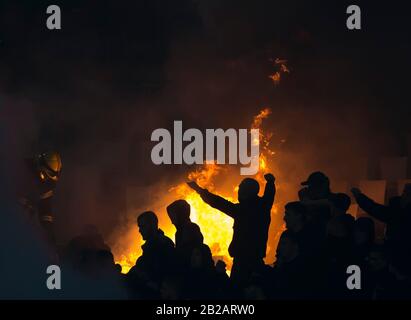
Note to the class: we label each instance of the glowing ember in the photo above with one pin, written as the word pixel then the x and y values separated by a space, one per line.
pixel 280 66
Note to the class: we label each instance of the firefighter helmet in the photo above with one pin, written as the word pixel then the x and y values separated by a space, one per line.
pixel 49 165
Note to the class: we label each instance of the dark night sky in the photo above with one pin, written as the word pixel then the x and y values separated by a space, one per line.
pixel 118 69
pixel 126 45
pixel 124 48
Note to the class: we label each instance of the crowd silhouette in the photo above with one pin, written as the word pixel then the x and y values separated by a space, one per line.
pixel 320 242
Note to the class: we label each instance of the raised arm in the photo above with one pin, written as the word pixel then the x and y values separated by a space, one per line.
pixel 214 200
pixel 269 191
pixel 374 209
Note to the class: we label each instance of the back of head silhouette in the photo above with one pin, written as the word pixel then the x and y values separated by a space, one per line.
pixel 341 202
pixel 179 212
pixel 341 226
pixel 295 216
pixel 148 224
pixel 248 190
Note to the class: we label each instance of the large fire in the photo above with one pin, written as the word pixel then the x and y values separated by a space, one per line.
pixel 216 227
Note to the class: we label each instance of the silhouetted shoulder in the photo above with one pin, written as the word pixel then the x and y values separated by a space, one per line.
pixel 395 202
pixel 196 231
pixel 166 240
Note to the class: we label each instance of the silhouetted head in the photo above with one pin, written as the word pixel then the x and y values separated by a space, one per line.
pixel 318 185
pixel 220 267
pixel 340 227
pixel 295 216
pixel 287 249
pixel 406 195
pixel 341 203
pixel 179 212
pixel 248 190
pixel 148 224
pixel 364 231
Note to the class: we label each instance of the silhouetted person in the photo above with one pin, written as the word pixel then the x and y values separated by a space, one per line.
pixel 291 277
pixel 225 289
pixel 339 254
pixel 81 247
pixel 201 277
pixel 295 216
pixel 90 238
pixel 378 281
pixel 316 187
pixel 251 223
pixel 310 241
pixel 363 237
pixel 340 204
pixel 106 264
pixel 158 258
pixel 318 198
pixel 340 230
pixel 188 235
pixel 363 241
pixel 45 170
pixel 381 279
pixel 397 216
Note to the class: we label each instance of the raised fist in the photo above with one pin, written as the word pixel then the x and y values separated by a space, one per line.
pixel 269 177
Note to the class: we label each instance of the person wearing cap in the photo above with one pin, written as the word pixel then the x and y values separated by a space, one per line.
pixel 322 204
pixel 316 187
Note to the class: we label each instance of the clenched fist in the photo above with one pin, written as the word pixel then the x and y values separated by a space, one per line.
pixel 269 177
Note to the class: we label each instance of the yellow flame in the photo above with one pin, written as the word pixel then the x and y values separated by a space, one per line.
pixel 128 260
